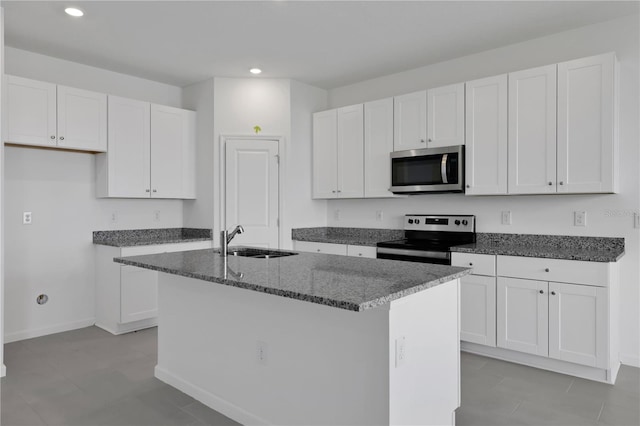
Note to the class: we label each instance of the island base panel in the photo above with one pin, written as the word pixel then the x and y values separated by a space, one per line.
pixel 264 359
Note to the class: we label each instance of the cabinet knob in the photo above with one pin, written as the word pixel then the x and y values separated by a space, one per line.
pixel 53 137
pixel 561 183
pixel 333 192
pixel 468 186
pixel 421 140
pixel 148 190
pixel 541 291
pixel 550 183
pixel 155 190
pixel 546 269
pixel 429 140
pixel 553 293
pixel 318 250
pixel 359 254
pixel 339 191
pixel 470 263
pixel 61 138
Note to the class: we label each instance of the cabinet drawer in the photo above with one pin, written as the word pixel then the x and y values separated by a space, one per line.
pixel 565 271
pixel 166 248
pixel 482 264
pixel 325 248
pixel 361 251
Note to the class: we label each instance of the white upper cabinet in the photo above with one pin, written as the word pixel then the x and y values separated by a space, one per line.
pixel 43 114
pixel 338 153
pixel 172 152
pixel 532 131
pixel 410 121
pixel 151 152
pixel 351 152
pixel 587 149
pixel 378 144
pixel 82 119
pixel 124 171
pixel 445 116
pixel 325 154
pixel 31 112
pixel 486 136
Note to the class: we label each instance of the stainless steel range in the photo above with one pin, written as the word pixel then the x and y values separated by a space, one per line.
pixel 429 238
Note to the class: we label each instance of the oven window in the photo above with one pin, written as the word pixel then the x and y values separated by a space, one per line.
pixel 423 170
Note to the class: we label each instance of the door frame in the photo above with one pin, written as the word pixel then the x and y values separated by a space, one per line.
pixel 222 207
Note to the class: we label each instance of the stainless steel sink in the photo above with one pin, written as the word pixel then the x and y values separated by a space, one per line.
pixel 259 253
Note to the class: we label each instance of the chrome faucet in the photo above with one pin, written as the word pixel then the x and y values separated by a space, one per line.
pixel 226 237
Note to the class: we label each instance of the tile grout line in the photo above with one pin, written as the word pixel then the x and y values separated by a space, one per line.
pixel 600 412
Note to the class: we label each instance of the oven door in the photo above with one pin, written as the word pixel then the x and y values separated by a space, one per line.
pixel 423 256
pixel 427 170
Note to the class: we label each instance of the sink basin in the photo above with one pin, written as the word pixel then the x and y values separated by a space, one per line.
pixel 259 253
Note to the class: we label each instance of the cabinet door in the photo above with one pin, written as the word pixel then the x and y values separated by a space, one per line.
pixel 169 136
pixel 31 112
pixel 378 144
pixel 325 154
pixel 410 121
pixel 578 324
pixel 587 155
pixel 82 119
pixel 127 167
pixel 351 152
pixel 532 131
pixel 478 309
pixel 486 130
pixel 522 322
pixel 445 116
pixel 138 294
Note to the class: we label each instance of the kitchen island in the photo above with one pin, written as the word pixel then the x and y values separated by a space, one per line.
pixel 310 338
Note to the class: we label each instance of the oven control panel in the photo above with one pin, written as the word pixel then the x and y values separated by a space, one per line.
pixel 449 223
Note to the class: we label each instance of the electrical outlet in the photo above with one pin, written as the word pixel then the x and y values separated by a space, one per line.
pixel 336 214
pixel 379 215
pixel 261 353
pixel 26 218
pixel 506 217
pixel 401 351
pixel 579 218
pixel 114 217
pixel 156 216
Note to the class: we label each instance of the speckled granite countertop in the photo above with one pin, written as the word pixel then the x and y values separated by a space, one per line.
pixel 350 283
pixel 147 237
pixel 591 249
pixel 353 236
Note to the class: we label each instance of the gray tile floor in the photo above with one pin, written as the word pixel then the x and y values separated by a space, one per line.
pixel 89 377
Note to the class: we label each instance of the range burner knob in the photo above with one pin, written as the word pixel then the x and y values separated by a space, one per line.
pixel 465 222
pixel 457 222
pixel 417 221
pixel 410 220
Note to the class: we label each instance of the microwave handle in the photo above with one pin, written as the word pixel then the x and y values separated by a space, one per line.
pixel 443 168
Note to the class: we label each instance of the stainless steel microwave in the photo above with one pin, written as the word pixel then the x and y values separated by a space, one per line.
pixel 428 170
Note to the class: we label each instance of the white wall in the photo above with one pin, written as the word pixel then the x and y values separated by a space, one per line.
pixel 199 213
pixel 608 215
pixel 54 255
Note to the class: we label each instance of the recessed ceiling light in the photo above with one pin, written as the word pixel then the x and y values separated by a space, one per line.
pixel 74 12
pixel 255 71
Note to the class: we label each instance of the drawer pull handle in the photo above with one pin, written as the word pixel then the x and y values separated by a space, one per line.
pixel 553 293
pixel 541 291
pixel 359 254
pixel 546 269
pixel 318 250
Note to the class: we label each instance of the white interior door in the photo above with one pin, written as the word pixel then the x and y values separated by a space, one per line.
pixel 251 191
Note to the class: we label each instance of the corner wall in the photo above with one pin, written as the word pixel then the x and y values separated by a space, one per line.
pixel 54 255
pixel 608 215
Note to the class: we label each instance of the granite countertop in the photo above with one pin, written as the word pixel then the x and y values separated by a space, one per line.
pixel 591 249
pixel 343 282
pixel 147 237
pixel 352 236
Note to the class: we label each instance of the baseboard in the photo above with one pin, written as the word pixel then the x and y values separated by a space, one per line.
pixel 212 401
pixel 58 328
pixel 631 360
pixel 118 329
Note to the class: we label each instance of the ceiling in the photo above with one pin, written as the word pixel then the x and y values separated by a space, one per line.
pixel 324 43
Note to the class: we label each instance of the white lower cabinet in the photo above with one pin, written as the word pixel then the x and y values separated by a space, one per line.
pixel 550 313
pixel 127 296
pixel 339 249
